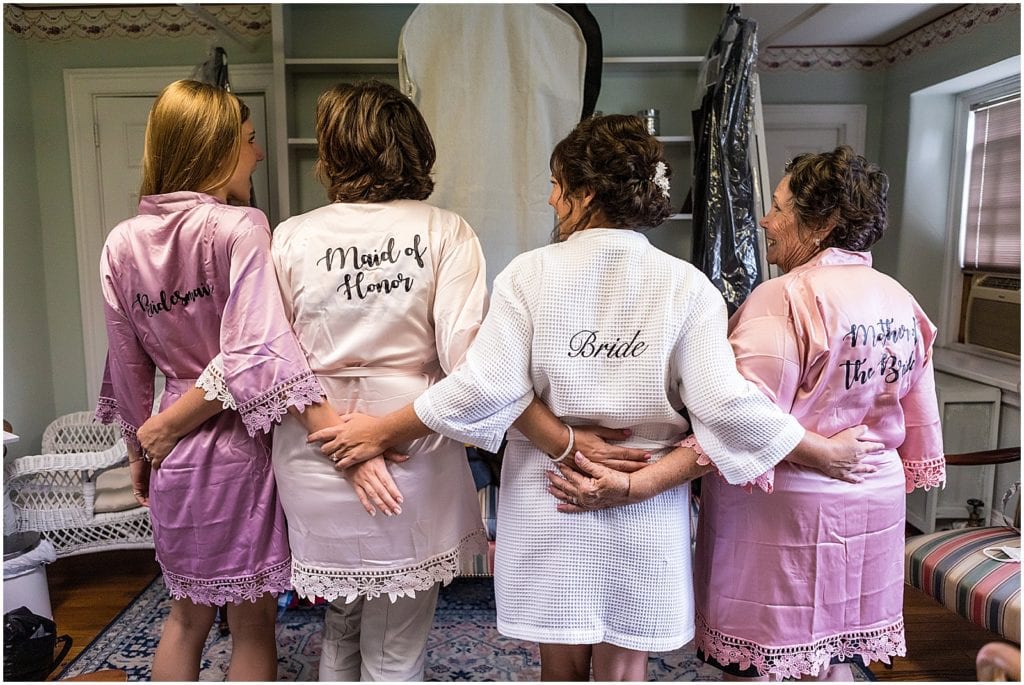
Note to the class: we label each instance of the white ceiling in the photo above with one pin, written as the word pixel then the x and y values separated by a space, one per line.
pixel 839 24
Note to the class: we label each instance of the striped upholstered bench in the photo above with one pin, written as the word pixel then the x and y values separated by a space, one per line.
pixel 951 565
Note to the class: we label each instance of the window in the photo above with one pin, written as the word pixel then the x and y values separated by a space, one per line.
pixel 992 223
pixel 989 226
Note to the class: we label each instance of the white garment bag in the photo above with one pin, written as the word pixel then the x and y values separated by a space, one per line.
pixel 499 86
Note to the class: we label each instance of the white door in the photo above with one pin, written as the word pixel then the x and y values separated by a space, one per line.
pixel 120 125
pixel 121 128
pixel 794 129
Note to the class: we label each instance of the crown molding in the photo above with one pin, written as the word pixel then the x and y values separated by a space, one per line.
pixel 254 20
pixel 131 21
pixel 944 29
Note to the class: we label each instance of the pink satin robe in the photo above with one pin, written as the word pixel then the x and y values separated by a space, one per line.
pixel 814 570
pixel 185 279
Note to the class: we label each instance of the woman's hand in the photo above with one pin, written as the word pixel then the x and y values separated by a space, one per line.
pixel 592 442
pixel 139 469
pixel 375 487
pixel 357 438
pixel 840 456
pixel 157 439
pixel 597 487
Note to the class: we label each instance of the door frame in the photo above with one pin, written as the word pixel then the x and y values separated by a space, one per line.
pixel 851 120
pixel 81 88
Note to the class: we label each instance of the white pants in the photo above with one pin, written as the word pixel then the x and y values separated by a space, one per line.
pixel 377 639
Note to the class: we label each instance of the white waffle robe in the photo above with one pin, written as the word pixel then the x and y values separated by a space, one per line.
pixel 606 329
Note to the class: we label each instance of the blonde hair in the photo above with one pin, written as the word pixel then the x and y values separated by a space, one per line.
pixel 193 139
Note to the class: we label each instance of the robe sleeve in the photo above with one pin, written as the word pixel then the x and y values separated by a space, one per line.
pixel 211 382
pixel 769 339
pixel 126 395
pixel 483 397
pixel 738 427
pixel 264 365
pixel 460 300
pixel 924 462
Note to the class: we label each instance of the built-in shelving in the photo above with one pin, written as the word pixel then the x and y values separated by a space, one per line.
pixel 630 82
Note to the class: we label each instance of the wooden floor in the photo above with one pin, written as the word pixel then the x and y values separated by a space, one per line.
pixel 88 592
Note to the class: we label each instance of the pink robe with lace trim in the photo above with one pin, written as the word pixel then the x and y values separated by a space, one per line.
pixel 185 279
pixel 804 568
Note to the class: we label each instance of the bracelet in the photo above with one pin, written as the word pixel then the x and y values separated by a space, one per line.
pixel 568 449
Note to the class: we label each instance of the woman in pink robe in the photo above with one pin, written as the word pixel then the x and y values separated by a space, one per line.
pixel 798 572
pixel 186 278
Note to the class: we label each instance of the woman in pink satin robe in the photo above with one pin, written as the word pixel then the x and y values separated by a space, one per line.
pixel 797 573
pixel 805 571
pixel 188 277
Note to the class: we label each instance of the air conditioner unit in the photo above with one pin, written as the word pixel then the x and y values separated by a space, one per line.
pixel 993 313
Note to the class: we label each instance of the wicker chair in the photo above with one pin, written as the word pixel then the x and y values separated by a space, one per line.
pixel 78 492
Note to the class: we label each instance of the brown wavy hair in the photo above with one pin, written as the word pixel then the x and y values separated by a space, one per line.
pixel 614 158
pixel 841 187
pixel 193 139
pixel 373 145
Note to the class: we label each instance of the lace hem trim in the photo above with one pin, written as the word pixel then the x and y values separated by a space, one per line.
pixel 766 481
pixel 793 662
pixel 277 578
pixel 925 474
pixel 212 382
pixel 312 581
pixel 107 413
pixel 261 413
pixel 106 410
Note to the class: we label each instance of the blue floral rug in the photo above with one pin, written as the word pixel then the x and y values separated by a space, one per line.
pixel 464 644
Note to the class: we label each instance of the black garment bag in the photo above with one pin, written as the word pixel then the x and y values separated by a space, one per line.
pixel 724 220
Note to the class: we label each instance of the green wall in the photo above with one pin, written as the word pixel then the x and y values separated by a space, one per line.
pixel 28 372
pixel 920 191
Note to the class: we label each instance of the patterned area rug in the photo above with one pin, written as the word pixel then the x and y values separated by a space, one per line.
pixel 464 644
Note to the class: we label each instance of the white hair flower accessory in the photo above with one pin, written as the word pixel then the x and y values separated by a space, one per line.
pixel 660 179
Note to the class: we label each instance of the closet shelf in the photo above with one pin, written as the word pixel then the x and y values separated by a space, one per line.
pixel 675 140
pixel 351 65
pixel 664 63
pixel 680 217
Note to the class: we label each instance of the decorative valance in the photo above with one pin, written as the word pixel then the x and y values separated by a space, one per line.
pixel 98 21
pixel 129 21
pixel 958 22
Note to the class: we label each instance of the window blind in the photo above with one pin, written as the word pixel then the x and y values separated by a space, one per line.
pixel 992 225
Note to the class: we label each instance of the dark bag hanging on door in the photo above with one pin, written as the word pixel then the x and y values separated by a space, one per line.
pixel 30 641
pixel 724 220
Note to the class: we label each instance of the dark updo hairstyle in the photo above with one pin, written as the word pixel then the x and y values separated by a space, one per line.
pixel 843 187
pixel 614 158
pixel 373 145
